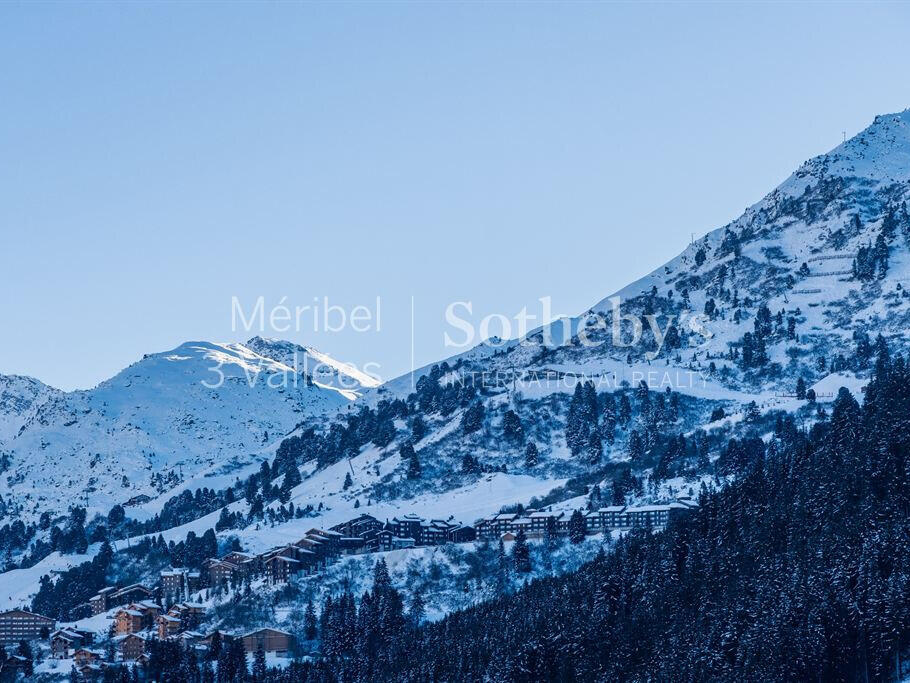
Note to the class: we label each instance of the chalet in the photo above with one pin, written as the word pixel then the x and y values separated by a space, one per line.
pixel 135 617
pixel 268 640
pixel 191 639
pixel 84 656
pixel 179 583
pixel 131 646
pixel 64 642
pixel 18 624
pixel 320 549
pixel 101 602
pixel 280 568
pixel 308 559
pixel 358 526
pixel 434 532
pixel 91 671
pixel 331 539
pixel 132 593
pixel 128 620
pixel 376 541
pixel 222 572
pixel 11 666
pixel 406 526
pixel 168 625
pixel 244 561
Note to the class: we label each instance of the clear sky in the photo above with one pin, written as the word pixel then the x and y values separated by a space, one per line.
pixel 157 160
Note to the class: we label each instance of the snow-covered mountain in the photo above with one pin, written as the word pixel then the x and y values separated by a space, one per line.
pixel 797 287
pixel 20 399
pixel 198 408
pixel 828 248
pixel 324 370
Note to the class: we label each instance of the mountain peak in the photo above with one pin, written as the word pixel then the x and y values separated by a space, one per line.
pixel 880 153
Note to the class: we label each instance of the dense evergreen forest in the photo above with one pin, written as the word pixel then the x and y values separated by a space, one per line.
pixel 798 570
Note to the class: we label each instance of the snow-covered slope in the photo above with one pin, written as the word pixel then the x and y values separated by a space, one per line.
pixel 793 251
pixel 163 419
pixel 324 370
pixel 20 399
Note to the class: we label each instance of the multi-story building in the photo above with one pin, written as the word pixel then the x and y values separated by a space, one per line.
pixel 543 522
pixel 268 640
pixel 131 646
pixel 358 526
pixel 378 540
pixel 66 641
pixel 168 625
pixel 18 624
pixel 221 572
pixel 177 584
pixel 101 602
pixel 406 526
pixel 135 617
pixel 280 568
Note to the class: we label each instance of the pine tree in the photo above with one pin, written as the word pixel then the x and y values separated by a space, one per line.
pixel 417 610
pixel 259 665
pixel 800 389
pixel 473 417
pixel 576 527
pixel 608 419
pixel 636 448
pixel 880 256
pixel 413 466
pixel 309 622
pixel 625 409
pixel 531 455
pixel 594 450
pixel 418 428
pixel 512 429
pixel 521 554
pixel 409 455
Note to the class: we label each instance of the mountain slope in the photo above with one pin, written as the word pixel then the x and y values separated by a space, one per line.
pixel 165 418
pixel 20 399
pixel 324 370
pixel 828 248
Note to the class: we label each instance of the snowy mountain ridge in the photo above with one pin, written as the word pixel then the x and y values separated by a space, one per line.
pixel 827 248
pixel 20 398
pixel 161 420
pixel 823 256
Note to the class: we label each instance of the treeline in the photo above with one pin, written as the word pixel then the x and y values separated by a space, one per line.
pixel 799 570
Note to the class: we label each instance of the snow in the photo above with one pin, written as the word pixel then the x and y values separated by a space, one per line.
pixel 17 587
pixel 190 412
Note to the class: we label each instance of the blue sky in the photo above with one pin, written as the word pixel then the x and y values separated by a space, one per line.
pixel 160 159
